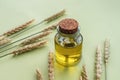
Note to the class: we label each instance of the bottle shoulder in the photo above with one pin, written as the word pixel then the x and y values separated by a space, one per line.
pixel 68 40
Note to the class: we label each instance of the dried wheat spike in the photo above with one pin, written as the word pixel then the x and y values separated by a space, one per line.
pixel 98 64
pixel 51 66
pixel 39 76
pixel 17 29
pixel 33 39
pixel 29 47
pixel 2 37
pixel 50 28
pixel 4 41
pixel 55 16
pixel 106 50
pixel 84 75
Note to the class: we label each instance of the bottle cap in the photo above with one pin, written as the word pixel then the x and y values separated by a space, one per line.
pixel 68 26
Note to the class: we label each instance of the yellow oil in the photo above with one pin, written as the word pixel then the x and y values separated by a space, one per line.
pixel 68 54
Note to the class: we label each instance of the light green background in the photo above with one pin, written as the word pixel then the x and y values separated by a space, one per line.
pixel 98 20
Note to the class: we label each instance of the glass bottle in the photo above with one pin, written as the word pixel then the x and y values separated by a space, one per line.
pixel 68 42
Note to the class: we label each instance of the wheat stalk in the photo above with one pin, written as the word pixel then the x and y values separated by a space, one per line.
pixel 39 76
pixel 84 75
pixel 98 63
pixel 17 29
pixel 55 16
pixel 29 47
pixel 106 50
pixel 51 66
pixel 35 38
pixel 4 41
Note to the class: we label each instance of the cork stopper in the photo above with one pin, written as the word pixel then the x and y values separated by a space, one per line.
pixel 68 26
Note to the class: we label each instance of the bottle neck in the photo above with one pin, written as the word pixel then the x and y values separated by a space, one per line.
pixel 69 35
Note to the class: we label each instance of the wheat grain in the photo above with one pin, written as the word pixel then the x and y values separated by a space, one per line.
pixel 29 47
pixel 39 76
pixel 2 37
pixel 4 41
pixel 51 66
pixel 17 29
pixel 80 78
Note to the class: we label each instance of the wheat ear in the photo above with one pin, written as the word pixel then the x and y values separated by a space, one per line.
pixel 98 63
pixel 50 28
pixel 19 28
pixel 35 38
pixel 39 76
pixel 4 41
pixel 55 16
pixel 84 75
pixel 106 55
pixel 106 50
pixel 45 31
pixel 51 66
pixel 29 47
